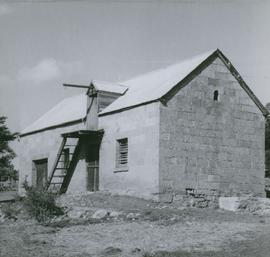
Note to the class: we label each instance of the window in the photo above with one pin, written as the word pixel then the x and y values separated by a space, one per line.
pixel 122 153
pixel 216 95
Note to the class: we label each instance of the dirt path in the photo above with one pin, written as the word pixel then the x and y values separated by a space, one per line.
pixel 23 239
pixel 158 231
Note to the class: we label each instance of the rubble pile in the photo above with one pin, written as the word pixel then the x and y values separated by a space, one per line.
pixel 195 201
pixel 255 205
pixel 249 204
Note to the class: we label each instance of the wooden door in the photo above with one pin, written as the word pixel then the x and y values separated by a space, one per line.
pixel 93 167
pixel 41 172
pixel 93 176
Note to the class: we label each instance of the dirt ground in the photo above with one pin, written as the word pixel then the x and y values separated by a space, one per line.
pixel 135 227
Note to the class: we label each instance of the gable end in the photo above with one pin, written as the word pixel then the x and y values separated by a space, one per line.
pixel 165 98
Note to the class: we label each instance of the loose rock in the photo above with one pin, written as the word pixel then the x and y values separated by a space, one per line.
pixel 100 214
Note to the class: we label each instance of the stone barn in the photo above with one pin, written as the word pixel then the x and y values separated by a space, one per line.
pixel 193 127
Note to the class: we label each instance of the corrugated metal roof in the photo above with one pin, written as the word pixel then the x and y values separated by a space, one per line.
pixel 68 110
pixel 155 84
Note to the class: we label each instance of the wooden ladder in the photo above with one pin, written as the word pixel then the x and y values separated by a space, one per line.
pixel 64 165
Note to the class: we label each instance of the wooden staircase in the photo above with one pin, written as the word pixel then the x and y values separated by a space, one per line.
pixel 64 165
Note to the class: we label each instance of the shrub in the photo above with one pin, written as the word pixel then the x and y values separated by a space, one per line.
pixel 40 204
pixel 10 211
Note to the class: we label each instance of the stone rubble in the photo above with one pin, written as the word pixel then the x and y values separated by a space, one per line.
pixel 255 205
pixel 100 214
pixel 84 208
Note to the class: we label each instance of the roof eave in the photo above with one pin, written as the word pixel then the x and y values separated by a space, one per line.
pixel 127 108
pixel 69 123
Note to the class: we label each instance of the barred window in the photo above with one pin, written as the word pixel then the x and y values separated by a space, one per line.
pixel 122 152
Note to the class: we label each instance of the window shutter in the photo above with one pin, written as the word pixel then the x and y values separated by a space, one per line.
pixel 122 152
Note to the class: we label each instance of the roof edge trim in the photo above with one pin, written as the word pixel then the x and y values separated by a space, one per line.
pixel 128 108
pixel 53 127
pixel 195 72
pixel 242 83
pixel 217 53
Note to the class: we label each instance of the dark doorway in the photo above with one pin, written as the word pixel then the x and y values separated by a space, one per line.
pixel 41 168
pixel 65 158
pixel 93 168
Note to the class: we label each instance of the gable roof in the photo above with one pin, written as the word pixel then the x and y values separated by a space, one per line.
pixel 159 85
pixel 162 84
pixel 69 110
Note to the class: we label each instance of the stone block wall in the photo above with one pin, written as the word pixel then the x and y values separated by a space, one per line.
pixel 45 145
pixel 212 146
pixel 141 126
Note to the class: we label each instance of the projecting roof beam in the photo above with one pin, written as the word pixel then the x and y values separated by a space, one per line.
pixel 74 85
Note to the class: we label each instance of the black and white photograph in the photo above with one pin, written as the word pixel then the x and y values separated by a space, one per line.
pixel 134 128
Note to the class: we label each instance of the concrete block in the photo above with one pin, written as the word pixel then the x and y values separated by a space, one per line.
pixel 229 203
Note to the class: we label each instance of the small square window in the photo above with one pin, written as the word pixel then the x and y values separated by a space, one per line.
pixel 122 153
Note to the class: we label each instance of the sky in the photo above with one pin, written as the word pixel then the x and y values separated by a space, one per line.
pixel 44 44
